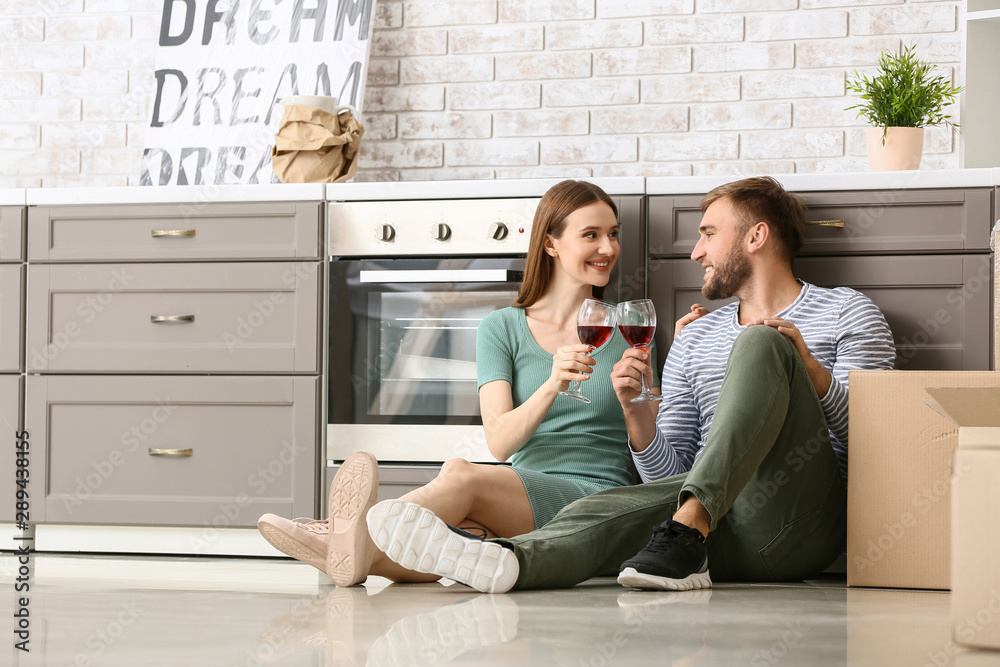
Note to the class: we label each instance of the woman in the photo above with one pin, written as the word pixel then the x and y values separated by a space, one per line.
pixel 526 354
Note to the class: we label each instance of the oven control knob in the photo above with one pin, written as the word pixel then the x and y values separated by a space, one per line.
pixel 442 232
pixel 498 231
pixel 385 233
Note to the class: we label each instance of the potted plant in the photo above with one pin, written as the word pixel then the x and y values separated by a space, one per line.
pixel 900 100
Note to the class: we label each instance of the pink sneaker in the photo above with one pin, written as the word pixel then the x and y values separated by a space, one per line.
pixel 353 492
pixel 302 539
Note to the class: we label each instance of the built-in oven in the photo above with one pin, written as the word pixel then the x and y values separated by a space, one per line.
pixel 402 371
pixel 410 281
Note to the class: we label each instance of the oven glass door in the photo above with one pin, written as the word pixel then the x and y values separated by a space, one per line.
pixel 403 337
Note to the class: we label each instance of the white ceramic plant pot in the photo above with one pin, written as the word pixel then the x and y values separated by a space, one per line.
pixel 902 150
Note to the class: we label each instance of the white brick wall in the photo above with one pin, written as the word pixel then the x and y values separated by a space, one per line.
pixel 462 89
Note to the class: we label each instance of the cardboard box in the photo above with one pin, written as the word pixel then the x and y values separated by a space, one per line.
pixel 975 513
pixel 899 478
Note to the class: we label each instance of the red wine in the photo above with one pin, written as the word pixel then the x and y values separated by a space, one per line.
pixel 637 336
pixel 593 335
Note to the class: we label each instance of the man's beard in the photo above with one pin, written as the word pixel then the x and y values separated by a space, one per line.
pixel 727 278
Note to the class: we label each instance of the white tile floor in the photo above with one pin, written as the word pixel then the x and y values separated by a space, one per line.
pixel 111 611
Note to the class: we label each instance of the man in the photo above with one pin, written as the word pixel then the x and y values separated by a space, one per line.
pixel 744 462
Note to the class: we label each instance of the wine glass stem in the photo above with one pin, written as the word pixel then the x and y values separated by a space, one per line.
pixel 575 385
pixel 642 378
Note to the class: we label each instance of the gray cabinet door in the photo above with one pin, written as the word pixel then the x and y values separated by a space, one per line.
pixel 238 317
pixel 11 233
pixel 873 221
pixel 938 306
pixel 11 395
pixel 173 451
pixel 11 320
pixel 263 230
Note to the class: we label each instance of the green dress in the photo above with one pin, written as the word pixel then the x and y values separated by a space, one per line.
pixel 579 448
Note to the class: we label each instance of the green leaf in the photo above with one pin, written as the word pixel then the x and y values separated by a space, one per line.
pixel 903 92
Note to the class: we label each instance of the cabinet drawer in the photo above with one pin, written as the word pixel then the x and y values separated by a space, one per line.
pixel 186 318
pixel 11 309
pixel 174 232
pixel 109 446
pixel 11 396
pixel 11 233
pixel 938 307
pixel 874 221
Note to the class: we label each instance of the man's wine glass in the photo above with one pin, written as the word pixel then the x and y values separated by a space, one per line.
pixel 637 322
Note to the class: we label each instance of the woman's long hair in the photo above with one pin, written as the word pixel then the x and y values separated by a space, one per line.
pixel 550 218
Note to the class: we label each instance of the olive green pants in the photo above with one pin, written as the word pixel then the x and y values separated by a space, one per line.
pixel 767 476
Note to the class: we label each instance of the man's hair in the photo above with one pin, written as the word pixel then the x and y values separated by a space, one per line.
pixel 762 199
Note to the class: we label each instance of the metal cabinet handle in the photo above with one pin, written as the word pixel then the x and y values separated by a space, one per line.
pixel 160 233
pixel 159 319
pixel 825 223
pixel 170 452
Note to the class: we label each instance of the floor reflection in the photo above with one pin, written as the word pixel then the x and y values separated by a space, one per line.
pixel 242 613
pixel 596 624
pixel 425 624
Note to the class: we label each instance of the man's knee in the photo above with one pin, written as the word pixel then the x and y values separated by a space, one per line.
pixel 762 337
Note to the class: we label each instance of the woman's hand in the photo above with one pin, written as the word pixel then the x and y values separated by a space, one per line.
pixel 697 310
pixel 625 376
pixel 569 363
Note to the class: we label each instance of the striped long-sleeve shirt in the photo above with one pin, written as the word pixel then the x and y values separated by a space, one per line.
pixel 843 330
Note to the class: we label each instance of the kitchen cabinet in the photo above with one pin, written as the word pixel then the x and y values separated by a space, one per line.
pixel 11 410
pixel 236 317
pixel 173 450
pixel 11 342
pixel 185 232
pixel 173 359
pixel 922 256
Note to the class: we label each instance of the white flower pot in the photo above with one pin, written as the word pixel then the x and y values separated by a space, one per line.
pixel 902 150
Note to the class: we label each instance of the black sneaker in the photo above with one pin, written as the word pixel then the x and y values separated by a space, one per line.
pixel 675 559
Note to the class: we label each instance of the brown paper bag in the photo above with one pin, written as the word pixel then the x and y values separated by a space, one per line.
pixel 316 146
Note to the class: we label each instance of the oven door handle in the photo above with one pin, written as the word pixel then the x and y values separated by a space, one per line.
pixel 443 276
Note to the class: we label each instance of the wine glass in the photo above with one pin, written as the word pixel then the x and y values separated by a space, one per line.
pixel 594 324
pixel 637 322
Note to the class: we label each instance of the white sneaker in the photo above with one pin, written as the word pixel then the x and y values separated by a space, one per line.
pixel 418 540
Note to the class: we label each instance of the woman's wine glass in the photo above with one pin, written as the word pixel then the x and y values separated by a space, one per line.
pixel 594 324
pixel 637 322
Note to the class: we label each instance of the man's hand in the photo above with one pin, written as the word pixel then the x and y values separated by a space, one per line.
pixel 640 418
pixel 625 376
pixel 697 310
pixel 820 377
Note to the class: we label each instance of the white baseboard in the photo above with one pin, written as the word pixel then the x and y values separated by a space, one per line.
pixel 143 540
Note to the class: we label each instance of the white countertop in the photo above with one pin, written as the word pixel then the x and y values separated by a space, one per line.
pixel 869 180
pixel 176 194
pixel 12 197
pixel 474 189
pixel 521 187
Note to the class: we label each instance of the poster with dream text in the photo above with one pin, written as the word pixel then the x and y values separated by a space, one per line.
pixel 222 69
